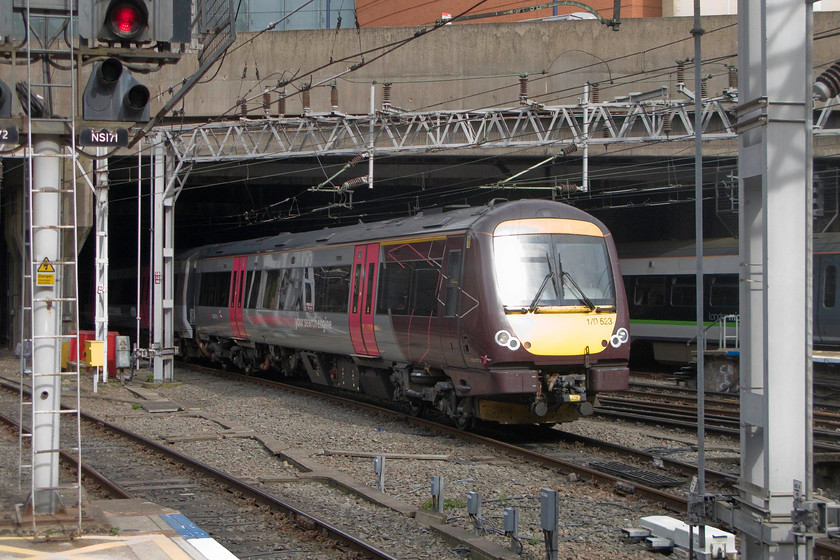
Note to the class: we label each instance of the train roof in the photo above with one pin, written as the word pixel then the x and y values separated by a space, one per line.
pixel 426 223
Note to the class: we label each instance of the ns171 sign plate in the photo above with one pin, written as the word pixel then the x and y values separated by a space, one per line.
pixel 115 137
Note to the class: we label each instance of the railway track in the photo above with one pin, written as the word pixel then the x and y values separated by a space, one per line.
pixel 826 389
pixel 825 549
pixel 539 447
pixel 499 439
pixel 575 518
pixel 677 407
pixel 244 519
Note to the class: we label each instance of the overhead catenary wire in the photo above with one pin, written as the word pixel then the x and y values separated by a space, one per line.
pixel 613 153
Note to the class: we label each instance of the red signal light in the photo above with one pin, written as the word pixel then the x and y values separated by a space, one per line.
pixel 127 20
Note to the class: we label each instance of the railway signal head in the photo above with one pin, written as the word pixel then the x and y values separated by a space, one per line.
pixel 112 94
pixel 115 21
pixel 135 22
pixel 126 20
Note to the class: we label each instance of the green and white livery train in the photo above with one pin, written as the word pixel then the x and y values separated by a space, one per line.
pixel 513 312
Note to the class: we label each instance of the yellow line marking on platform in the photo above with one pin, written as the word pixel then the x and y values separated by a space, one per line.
pixel 166 546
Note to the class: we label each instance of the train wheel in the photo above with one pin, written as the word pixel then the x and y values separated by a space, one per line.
pixel 465 423
pixel 464 418
pixel 416 407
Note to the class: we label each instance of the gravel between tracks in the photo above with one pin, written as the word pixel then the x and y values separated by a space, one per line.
pixel 591 517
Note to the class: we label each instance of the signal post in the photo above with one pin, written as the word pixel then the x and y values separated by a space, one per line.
pixel 113 95
pixel 112 34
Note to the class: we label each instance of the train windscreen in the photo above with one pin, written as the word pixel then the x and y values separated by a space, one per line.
pixel 553 270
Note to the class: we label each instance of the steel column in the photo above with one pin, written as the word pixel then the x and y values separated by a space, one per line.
pixel 101 191
pixel 46 326
pixel 161 269
pixel 775 228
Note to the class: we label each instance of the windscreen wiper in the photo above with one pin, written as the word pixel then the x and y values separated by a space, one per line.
pixel 581 296
pixel 550 276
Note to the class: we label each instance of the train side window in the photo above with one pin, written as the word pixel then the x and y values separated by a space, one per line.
pixel 649 291
pixel 453 274
pixel 357 287
pixel 255 289
pixel 291 289
pixel 332 289
pixel 683 291
pixel 369 292
pixel 394 288
pixel 723 292
pixel 270 293
pixel 249 278
pixel 214 288
pixel 308 279
pixel 424 291
pixel 830 286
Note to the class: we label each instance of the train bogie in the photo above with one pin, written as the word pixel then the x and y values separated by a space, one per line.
pixel 509 312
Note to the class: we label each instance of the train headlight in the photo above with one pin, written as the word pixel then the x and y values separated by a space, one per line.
pixel 620 337
pixel 504 338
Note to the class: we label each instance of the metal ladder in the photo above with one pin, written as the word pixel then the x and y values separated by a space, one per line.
pixel 729 327
pixel 49 288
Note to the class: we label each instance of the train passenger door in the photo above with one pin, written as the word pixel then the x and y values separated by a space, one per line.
pixel 449 299
pixel 237 295
pixel 826 299
pixel 362 299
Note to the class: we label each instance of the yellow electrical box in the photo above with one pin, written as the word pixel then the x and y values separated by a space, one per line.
pixel 65 355
pixel 94 350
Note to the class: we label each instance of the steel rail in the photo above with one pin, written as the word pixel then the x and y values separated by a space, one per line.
pixel 722 422
pixel 257 495
pixel 827 549
pixel 111 488
pixel 680 466
pixel 669 500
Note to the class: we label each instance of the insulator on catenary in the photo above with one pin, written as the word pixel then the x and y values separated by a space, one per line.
pixel 704 90
pixel 386 95
pixel 733 77
pixel 828 83
pixel 243 108
pixel 266 102
pixel 680 72
pixel 666 125
pixel 594 93
pixel 305 100
pixel 568 188
pixel 570 149
pixel 334 97
pixel 281 104
pixel 355 182
pixel 357 158
pixel 523 87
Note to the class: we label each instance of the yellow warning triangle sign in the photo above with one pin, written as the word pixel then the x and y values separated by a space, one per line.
pixel 46 266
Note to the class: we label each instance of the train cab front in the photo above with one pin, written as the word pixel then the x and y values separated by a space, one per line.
pixel 561 327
